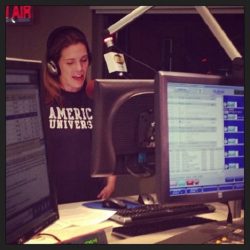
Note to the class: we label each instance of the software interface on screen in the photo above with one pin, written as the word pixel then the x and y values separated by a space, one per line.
pixel 206 138
pixel 27 185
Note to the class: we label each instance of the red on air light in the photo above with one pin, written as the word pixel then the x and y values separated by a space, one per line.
pixel 18 13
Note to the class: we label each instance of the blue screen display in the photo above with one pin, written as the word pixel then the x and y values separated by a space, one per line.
pixel 206 138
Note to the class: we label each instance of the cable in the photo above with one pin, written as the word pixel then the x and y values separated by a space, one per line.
pixel 51 235
pixel 136 60
pixel 147 173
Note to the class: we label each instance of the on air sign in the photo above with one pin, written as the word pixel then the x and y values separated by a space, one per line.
pixel 19 14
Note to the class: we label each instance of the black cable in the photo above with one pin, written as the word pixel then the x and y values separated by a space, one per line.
pixel 145 174
pixel 51 235
pixel 136 60
pixel 139 170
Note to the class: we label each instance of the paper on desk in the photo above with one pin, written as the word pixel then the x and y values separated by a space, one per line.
pixel 84 216
pixel 68 232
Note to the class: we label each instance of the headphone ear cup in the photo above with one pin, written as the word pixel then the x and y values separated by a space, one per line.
pixel 52 68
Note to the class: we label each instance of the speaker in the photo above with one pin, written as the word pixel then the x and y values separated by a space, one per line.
pixel 52 68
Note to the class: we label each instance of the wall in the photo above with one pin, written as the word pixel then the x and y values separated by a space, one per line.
pixel 194 48
pixel 29 41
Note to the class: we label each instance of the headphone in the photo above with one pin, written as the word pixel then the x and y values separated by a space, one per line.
pixel 52 68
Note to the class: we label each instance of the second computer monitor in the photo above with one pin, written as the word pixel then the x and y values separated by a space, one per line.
pixel 199 138
pixel 30 201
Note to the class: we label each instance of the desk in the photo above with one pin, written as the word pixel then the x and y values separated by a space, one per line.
pixel 220 214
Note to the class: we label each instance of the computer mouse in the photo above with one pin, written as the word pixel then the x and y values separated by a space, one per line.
pixel 113 203
pixel 146 199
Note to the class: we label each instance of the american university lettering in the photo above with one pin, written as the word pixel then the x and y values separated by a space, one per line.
pixel 70 118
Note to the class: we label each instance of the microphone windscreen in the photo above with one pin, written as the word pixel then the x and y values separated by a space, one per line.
pixel 115 62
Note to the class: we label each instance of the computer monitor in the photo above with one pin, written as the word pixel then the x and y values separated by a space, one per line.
pixel 199 138
pixel 30 201
pixel 123 132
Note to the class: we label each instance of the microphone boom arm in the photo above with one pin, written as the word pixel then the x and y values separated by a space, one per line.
pixel 220 35
pixel 128 19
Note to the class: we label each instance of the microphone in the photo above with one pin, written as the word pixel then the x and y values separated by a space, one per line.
pixel 115 60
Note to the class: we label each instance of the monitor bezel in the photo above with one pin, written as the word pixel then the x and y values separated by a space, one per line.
pixel 23 234
pixel 161 116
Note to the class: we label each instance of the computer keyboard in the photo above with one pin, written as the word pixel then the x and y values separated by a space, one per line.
pixel 154 227
pixel 158 212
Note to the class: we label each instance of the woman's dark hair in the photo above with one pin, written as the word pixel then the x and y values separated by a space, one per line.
pixel 60 38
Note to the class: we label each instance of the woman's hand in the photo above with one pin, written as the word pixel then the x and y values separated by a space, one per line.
pixel 108 189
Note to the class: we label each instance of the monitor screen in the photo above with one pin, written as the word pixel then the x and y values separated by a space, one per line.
pixel 199 138
pixel 30 202
pixel 123 133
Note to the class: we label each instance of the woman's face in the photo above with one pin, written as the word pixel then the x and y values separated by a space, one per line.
pixel 73 64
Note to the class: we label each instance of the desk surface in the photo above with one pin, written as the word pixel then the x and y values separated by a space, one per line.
pixel 66 233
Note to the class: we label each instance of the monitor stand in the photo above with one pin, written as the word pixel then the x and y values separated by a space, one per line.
pixel 235 207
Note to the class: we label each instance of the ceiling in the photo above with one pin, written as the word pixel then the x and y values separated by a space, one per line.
pixel 168 9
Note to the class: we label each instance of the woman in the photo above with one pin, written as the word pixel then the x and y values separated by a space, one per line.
pixel 69 117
